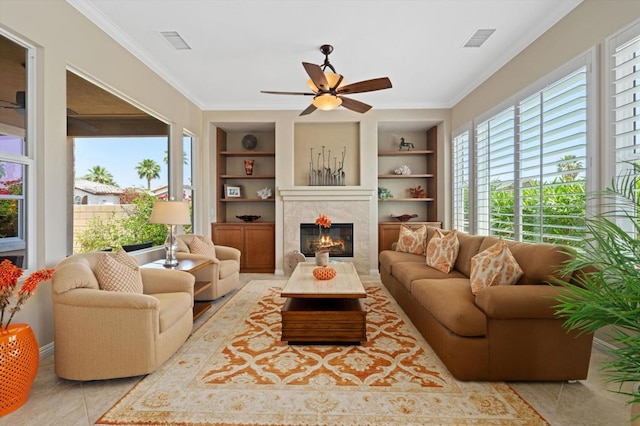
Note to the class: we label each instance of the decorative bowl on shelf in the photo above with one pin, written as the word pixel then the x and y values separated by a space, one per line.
pixel 248 218
pixel 404 217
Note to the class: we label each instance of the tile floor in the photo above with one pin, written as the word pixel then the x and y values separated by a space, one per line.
pixel 59 402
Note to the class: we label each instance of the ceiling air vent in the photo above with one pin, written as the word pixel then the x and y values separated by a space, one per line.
pixel 479 37
pixel 175 40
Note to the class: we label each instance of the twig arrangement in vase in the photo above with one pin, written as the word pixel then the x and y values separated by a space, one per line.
pixel 325 175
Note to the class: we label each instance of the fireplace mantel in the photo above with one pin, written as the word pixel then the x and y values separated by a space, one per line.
pixel 327 193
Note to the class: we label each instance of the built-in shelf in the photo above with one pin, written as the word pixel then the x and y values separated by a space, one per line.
pixel 412 152
pixel 248 153
pixel 247 200
pixel 247 176
pixel 416 175
pixel 407 199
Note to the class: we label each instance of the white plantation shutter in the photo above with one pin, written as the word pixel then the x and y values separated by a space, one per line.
pixel 461 175
pixel 495 160
pixel 530 175
pixel 553 154
pixel 625 75
pixel 625 101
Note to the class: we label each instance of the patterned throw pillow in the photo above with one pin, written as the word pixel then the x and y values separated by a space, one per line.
pixel 442 251
pixel 412 240
pixel 119 272
pixel 494 266
pixel 203 246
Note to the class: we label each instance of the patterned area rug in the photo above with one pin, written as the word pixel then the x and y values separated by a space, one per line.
pixel 235 371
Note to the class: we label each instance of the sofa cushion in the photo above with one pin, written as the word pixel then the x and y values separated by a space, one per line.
pixel 469 247
pixel 494 266
pixel 388 258
pixel 412 240
pixel 407 272
pixel 202 246
pixel 540 262
pixel 442 251
pixel 452 304
pixel 172 307
pixel 119 272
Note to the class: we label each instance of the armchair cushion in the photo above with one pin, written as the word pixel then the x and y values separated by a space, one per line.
pixel 172 308
pixel 203 246
pixel 119 272
pixel 74 275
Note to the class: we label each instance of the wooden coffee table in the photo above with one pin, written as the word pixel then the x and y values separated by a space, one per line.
pixel 324 311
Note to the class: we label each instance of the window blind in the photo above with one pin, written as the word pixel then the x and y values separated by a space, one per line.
pixel 625 104
pixel 552 156
pixel 460 154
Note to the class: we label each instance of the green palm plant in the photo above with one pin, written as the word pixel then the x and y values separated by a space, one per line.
pixel 148 169
pixel 99 174
pixel 610 288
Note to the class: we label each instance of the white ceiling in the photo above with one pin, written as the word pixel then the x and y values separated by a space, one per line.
pixel 240 47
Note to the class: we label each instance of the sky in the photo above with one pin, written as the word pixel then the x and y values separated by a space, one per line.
pixel 120 156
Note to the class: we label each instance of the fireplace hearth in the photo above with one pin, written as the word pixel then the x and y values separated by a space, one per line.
pixel 337 240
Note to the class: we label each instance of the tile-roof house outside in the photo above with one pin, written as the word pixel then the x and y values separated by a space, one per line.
pixel 88 192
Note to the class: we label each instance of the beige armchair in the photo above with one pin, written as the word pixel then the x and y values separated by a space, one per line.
pixel 102 334
pixel 225 273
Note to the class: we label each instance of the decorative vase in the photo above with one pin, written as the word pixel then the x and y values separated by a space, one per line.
pixel 248 167
pixel 19 358
pixel 324 273
pixel 322 258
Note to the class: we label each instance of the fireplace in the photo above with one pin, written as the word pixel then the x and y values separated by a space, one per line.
pixel 338 239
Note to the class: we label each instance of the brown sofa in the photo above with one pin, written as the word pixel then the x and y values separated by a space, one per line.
pixel 507 332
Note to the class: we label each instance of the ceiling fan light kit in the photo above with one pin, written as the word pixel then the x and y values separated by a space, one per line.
pixel 329 88
pixel 326 102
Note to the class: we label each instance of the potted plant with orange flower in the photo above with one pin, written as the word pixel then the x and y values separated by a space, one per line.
pixel 19 352
pixel 322 250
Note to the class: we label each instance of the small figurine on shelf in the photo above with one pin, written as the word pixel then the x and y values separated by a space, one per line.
pixel 418 192
pixel 403 170
pixel 404 144
pixel 264 193
pixel 384 194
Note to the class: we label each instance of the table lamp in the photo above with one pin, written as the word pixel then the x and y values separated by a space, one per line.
pixel 171 213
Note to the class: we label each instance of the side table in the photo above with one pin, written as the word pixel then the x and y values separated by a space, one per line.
pixel 190 266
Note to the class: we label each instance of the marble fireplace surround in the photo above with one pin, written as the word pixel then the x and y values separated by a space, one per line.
pixel 341 204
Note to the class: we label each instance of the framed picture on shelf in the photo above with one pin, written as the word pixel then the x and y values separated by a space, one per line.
pixel 231 191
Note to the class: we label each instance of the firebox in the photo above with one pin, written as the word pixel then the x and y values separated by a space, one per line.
pixel 338 239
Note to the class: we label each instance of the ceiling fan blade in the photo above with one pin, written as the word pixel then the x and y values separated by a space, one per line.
pixel 366 86
pixel 354 105
pixel 309 110
pixel 271 92
pixel 317 76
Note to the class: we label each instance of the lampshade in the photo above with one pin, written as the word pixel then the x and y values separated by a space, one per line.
pixel 170 213
pixel 326 102
pixel 332 79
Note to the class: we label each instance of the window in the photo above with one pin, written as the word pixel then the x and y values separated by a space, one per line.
pixel 16 155
pixel 624 66
pixel 461 171
pixel 117 180
pixel 188 189
pixel 528 171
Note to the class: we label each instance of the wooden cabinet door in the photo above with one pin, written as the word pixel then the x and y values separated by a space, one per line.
pixel 228 235
pixel 259 247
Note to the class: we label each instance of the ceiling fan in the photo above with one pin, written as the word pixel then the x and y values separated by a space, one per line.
pixel 329 89
pixel 20 105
